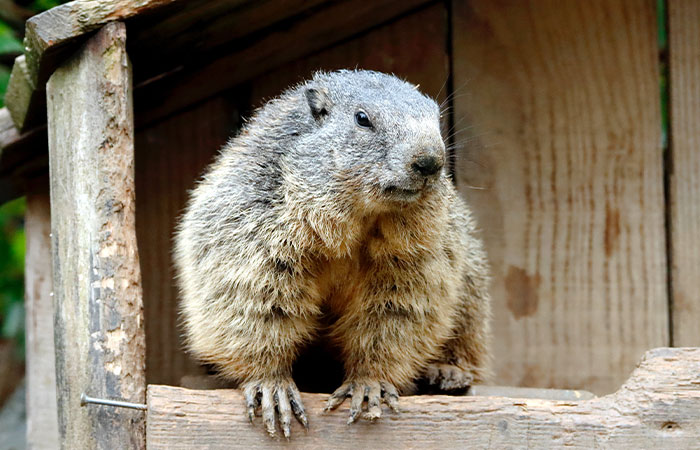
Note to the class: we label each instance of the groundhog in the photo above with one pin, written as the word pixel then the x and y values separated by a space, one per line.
pixel 331 218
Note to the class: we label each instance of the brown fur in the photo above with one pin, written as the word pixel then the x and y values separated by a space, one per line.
pixel 399 288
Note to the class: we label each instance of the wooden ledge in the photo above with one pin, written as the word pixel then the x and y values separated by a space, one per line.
pixel 658 406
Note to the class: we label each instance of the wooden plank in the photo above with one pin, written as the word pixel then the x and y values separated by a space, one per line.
pixel 20 92
pixel 319 30
pixel 658 407
pixel 557 107
pixel 20 160
pixel 413 47
pixel 60 25
pixel 42 414
pixel 47 43
pixel 684 193
pixel 203 30
pixel 170 156
pixel 99 334
pixel 167 34
pixel 8 131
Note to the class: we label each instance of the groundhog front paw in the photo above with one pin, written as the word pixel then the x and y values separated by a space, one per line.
pixel 281 395
pixel 373 391
pixel 447 377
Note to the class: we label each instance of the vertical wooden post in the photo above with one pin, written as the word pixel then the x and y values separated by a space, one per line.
pixel 42 419
pixel 684 195
pixel 100 343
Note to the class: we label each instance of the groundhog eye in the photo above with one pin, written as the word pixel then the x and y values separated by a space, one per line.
pixel 362 119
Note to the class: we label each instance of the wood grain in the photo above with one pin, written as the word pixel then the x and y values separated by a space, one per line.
pixel 99 336
pixel 557 105
pixel 170 156
pixel 50 38
pixel 42 414
pixel 684 193
pixel 658 407
pixel 65 23
pixel 320 29
pixel 413 47
pixel 178 37
pixel 201 30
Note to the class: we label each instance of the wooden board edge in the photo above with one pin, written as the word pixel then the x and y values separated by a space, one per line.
pixel 20 91
pixel 660 402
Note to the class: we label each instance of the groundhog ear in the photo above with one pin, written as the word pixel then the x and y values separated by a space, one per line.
pixel 319 103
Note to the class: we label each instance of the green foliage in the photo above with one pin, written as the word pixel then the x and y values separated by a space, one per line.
pixel 12 243
pixel 9 45
pixel 4 79
pixel 8 41
pixel 43 5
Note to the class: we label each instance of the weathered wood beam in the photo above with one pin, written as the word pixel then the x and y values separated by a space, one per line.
pixel 163 33
pixel 97 283
pixel 19 97
pixel 46 42
pixel 62 24
pixel 658 407
pixel 42 415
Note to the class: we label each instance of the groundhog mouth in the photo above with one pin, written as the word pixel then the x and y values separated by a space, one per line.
pixel 397 193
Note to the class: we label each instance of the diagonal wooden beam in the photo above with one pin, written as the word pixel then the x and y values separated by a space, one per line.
pixel 46 43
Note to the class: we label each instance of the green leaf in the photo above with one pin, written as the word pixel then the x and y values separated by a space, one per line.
pixel 8 41
pixel 43 5
pixel 4 80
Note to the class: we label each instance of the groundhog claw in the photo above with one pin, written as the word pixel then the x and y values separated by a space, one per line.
pixel 448 377
pixel 373 391
pixel 276 398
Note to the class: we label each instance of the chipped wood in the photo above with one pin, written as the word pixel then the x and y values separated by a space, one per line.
pixel 658 407
pixel 97 283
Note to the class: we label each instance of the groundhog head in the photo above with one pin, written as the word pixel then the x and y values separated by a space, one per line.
pixel 381 135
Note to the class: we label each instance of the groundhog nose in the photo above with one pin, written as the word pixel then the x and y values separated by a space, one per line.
pixel 427 165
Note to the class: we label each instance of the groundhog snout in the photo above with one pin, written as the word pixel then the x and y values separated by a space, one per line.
pixel 427 165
